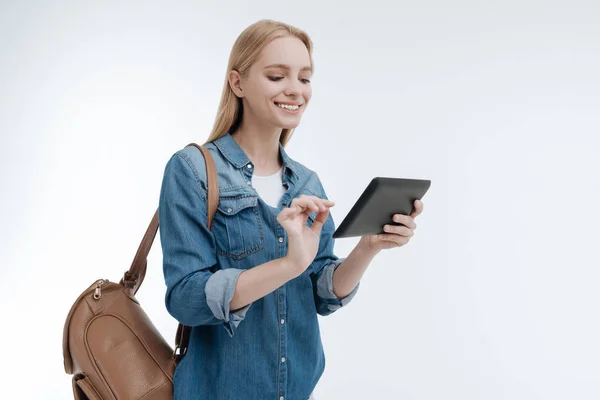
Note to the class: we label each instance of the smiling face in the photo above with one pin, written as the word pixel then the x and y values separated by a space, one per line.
pixel 276 90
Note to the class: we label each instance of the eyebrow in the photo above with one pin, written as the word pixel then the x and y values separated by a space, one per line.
pixel 285 66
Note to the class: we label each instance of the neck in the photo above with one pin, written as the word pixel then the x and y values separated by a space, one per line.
pixel 261 146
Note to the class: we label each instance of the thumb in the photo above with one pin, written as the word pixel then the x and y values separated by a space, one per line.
pixel 319 221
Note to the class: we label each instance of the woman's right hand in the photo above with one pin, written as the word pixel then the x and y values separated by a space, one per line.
pixel 303 241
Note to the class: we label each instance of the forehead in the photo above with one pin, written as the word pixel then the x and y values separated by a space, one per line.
pixel 282 52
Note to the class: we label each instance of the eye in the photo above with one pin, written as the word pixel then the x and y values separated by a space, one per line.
pixel 278 78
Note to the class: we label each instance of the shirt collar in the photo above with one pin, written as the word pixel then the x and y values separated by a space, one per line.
pixel 236 156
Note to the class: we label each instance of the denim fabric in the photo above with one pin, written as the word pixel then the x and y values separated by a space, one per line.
pixel 271 348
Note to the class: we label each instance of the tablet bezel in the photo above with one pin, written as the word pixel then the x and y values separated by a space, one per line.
pixel 376 205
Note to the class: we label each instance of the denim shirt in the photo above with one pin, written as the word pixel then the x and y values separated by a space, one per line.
pixel 271 348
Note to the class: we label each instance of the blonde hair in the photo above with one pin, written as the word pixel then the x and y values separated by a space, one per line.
pixel 246 50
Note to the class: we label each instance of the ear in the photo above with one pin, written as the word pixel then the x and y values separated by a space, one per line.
pixel 235 83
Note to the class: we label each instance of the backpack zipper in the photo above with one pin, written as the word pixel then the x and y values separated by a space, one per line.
pixel 98 290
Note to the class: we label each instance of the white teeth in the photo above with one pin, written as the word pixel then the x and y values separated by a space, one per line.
pixel 287 107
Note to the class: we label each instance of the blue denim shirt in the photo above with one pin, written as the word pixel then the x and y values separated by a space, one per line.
pixel 271 348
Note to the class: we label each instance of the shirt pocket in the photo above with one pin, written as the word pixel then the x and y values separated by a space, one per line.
pixel 237 226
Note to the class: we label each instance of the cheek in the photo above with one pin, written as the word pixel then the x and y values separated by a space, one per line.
pixel 307 94
pixel 261 91
pixel 269 89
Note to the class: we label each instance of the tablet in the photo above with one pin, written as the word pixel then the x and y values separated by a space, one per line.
pixel 378 203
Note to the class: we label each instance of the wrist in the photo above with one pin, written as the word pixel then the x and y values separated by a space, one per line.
pixel 365 247
pixel 292 269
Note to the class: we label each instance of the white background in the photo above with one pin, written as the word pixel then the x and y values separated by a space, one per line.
pixel 495 297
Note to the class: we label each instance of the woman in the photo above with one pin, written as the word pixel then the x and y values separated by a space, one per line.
pixel 251 287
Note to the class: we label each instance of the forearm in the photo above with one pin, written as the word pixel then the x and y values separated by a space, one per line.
pixel 261 280
pixel 350 271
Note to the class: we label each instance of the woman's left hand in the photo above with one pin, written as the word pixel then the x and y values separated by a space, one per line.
pixel 396 235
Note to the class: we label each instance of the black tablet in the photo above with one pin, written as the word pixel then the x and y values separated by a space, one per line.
pixel 376 206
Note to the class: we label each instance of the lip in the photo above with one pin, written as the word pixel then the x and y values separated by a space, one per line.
pixel 287 104
pixel 293 112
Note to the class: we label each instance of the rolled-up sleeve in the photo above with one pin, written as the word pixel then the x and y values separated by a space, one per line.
pixel 324 265
pixel 196 294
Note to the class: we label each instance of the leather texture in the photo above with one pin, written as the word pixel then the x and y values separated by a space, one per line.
pixel 110 346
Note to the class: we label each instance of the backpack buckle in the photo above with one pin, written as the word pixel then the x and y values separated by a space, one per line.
pixel 178 352
pixel 129 281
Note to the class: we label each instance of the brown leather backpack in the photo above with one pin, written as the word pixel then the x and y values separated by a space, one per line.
pixel 110 346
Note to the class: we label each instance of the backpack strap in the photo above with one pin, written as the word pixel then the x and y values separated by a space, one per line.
pixel 134 277
pixel 182 337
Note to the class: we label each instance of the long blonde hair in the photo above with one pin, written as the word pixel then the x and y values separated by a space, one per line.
pixel 245 52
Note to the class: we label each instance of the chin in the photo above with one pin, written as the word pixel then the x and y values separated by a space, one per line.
pixel 289 125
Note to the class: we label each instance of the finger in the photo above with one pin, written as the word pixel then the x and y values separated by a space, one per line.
pixel 319 221
pixel 406 220
pixel 312 203
pixel 398 230
pixel 295 210
pixel 299 207
pixel 286 213
pixel 391 237
pixel 418 208
pixel 303 205
pixel 322 203
pixel 326 201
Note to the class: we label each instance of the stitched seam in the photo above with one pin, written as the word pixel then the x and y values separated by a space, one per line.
pixel 261 245
pixel 241 196
pixel 195 172
pixel 153 390
pixel 93 359
pixel 91 387
pixel 280 327
pixel 225 154
pixel 234 188
pixel 241 255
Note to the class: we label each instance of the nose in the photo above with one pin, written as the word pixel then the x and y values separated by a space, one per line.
pixel 294 89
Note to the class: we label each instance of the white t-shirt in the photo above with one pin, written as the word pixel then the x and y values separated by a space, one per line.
pixel 270 188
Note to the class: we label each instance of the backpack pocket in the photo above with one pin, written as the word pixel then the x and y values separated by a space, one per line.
pixel 83 389
pixel 124 361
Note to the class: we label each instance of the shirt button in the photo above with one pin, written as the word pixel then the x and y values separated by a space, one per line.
pixel 229 210
pixel 281 398
pixel 249 165
pixel 249 183
pixel 282 321
pixel 280 239
pixel 282 359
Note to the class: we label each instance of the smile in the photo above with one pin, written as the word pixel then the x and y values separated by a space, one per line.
pixel 288 107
